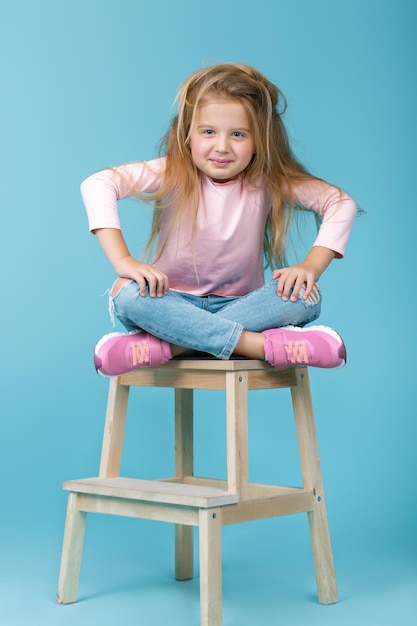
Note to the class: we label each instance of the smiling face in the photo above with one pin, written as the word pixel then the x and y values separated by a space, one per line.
pixel 221 139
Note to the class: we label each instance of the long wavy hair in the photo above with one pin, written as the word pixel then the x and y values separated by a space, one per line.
pixel 273 167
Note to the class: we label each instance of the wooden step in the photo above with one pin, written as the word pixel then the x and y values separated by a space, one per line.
pixel 153 491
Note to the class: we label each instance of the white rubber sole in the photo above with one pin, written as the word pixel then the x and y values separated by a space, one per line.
pixel 114 334
pixel 324 329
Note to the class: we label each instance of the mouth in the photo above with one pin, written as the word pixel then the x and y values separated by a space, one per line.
pixel 220 162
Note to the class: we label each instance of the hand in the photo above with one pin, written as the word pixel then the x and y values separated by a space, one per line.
pixel 295 277
pixel 304 274
pixel 115 248
pixel 145 275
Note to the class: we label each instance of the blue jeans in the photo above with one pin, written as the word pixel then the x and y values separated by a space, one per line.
pixel 211 324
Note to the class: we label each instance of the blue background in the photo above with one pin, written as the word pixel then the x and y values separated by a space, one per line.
pixel 88 83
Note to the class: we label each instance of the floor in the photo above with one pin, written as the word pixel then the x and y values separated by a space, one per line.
pixel 268 580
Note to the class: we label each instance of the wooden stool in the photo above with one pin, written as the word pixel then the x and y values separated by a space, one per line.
pixel 187 500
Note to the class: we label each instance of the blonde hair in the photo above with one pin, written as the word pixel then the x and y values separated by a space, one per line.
pixel 273 167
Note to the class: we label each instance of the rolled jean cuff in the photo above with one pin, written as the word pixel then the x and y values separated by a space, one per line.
pixel 232 341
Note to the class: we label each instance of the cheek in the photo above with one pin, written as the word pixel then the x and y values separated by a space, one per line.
pixel 195 147
pixel 249 153
pixel 195 151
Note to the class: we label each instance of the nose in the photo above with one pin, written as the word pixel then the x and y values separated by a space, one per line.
pixel 222 144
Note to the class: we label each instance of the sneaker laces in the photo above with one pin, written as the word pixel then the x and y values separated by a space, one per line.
pixel 297 352
pixel 140 352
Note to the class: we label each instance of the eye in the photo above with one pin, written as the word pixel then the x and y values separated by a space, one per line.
pixel 208 131
pixel 238 134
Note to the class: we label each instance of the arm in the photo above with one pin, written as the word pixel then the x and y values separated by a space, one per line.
pixel 115 249
pixel 100 193
pixel 304 274
pixel 338 212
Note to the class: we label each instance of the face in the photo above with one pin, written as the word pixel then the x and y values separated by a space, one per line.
pixel 221 139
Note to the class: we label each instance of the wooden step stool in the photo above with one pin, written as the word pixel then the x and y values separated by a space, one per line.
pixel 186 500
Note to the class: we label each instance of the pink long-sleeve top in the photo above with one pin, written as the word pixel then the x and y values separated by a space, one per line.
pixel 224 256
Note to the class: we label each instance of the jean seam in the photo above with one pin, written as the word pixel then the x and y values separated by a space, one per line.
pixel 231 343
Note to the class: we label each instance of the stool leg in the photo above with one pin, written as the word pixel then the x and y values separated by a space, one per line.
pixel 312 479
pixel 71 552
pixel 184 466
pixel 210 527
pixel 322 553
pixel 237 433
pixel 111 452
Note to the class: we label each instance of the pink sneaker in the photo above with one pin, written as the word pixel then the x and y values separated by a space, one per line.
pixel 118 353
pixel 290 346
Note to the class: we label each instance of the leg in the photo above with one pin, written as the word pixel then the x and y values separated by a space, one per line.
pixel 183 467
pixel 71 552
pixel 178 319
pixel 111 452
pixel 263 308
pixel 207 324
pixel 237 433
pixel 210 527
pixel 312 479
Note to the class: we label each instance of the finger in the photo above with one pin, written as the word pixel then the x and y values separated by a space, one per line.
pixel 158 283
pixel 298 285
pixel 309 286
pixel 280 275
pixel 162 286
pixel 153 283
pixel 141 281
pixel 286 286
pixel 162 283
pixel 307 290
pixel 276 274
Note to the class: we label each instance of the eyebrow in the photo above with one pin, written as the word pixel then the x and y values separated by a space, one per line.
pixel 232 129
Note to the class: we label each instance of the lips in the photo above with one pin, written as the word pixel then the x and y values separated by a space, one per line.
pixel 220 162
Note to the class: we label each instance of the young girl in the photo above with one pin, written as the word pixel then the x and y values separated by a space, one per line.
pixel 224 195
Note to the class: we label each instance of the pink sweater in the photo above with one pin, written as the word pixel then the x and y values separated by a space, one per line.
pixel 225 255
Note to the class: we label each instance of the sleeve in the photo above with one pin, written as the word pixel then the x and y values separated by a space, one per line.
pixel 336 209
pixel 101 191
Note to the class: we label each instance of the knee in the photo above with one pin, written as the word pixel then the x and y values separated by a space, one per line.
pixel 118 285
pixel 314 298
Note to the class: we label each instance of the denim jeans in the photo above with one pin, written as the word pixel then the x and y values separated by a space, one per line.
pixel 210 324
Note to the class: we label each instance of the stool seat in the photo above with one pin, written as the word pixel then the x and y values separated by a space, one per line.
pixel 190 501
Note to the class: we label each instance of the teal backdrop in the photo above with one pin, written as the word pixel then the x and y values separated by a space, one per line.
pixel 90 83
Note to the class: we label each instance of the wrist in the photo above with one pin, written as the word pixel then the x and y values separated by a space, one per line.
pixel 318 259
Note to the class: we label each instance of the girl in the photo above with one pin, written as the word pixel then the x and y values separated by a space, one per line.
pixel 224 195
